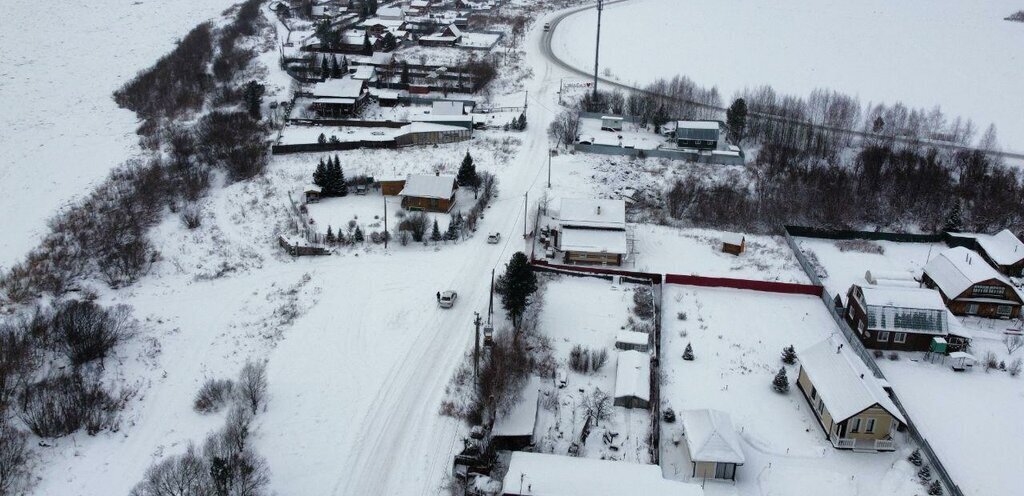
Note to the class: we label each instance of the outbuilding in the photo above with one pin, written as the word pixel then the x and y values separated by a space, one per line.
pixel 1003 250
pixel 611 123
pixel 633 380
pixel 713 445
pixel 702 135
pixel 311 193
pixel 429 192
pixel 539 474
pixel 515 429
pixel 631 340
pixel 733 243
pixel 970 286
pixel 592 231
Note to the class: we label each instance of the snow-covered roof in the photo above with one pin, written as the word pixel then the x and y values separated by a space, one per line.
pixel 917 310
pixel 390 12
pixel 732 238
pixel 711 437
pixel 593 241
pixel 522 419
pixel 843 381
pixel 539 474
pixel 631 337
pixel 1004 248
pixel 611 118
pixel 957 269
pixel 697 124
pixel 440 118
pixel 429 186
pixel 312 188
pixel 633 375
pixel 444 107
pixel 339 88
pixel 363 72
pixel 420 3
pixel 602 214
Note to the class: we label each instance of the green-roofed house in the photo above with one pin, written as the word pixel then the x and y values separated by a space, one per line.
pixel 701 135
pixel 897 317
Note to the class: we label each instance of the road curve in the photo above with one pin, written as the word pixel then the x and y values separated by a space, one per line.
pixel 546 50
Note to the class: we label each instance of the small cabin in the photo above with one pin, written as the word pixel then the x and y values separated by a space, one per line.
pixel 734 243
pixel 712 444
pixel 611 123
pixel 631 340
pixel 633 380
pixel 311 193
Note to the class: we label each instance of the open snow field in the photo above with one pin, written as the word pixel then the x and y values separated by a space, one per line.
pixel 972 419
pixel 60 130
pixel 737 339
pixel 845 268
pixel 589 312
pixel 952 53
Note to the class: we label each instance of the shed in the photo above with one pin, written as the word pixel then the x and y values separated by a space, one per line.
pixel 733 243
pixel 430 192
pixel 538 474
pixel 962 360
pixel 713 445
pixel 611 123
pixel 514 430
pixel 702 135
pixel 1003 250
pixel 630 340
pixel 311 193
pixel 633 380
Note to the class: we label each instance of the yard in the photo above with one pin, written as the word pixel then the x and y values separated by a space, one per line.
pixel 843 263
pixel 737 338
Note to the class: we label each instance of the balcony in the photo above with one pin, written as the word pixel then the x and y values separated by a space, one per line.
pixel 864 444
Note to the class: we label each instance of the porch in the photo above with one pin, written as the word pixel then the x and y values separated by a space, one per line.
pixel 863 444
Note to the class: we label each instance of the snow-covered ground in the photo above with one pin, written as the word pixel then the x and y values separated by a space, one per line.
pixel 844 268
pixel 737 338
pixel 60 130
pixel 924 53
pixel 589 312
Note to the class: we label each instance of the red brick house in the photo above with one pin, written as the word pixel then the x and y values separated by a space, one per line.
pixel 970 286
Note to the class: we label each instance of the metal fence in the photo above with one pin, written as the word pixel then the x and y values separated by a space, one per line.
pixel 868 359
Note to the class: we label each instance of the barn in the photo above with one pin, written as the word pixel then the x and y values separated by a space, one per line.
pixel 633 380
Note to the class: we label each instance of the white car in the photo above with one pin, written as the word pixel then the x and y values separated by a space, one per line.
pixel 493 238
pixel 447 299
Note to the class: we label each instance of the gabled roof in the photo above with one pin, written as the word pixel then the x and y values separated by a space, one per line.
pixel 957 269
pixel 633 375
pixel 895 308
pixel 1004 248
pixel 843 381
pixel 339 88
pixel 633 337
pixel 700 130
pixel 600 214
pixel 594 241
pixel 711 437
pixel 538 474
pixel 429 186
pixel 522 418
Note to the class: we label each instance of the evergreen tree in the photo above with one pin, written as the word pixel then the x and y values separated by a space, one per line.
pixel 221 474
pixel 358 235
pixel 516 286
pixel 324 69
pixel 935 488
pixel 878 125
pixel 344 65
pixel 253 95
pixel 954 219
pixel 659 119
pixel 521 122
pixel 320 176
pixel 467 176
pixel 335 69
pixel 367 47
pixel 435 234
pixel 322 139
pixel 736 118
pixel 340 185
pixel 915 458
pixel 330 235
pixel 688 353
pixel 405 73
pixel 789 355
pixel 781 382
pixel 925 474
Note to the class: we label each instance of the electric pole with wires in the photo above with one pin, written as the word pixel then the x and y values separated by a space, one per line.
pixel 597 46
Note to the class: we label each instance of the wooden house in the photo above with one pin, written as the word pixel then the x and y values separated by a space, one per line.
pixel 633 379
pixel 514 430
pixel 701 135
pixel 592 231
pixel 336 98
pixel 712 443
pixel 734 243
pixel 896 317
pixel 847 400
pixel 970 286
pixel 449 36
pixel 429 192
pixel 1004 251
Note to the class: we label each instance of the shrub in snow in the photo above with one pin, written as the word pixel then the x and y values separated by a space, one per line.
pixel 789 355
pixel 781 382
pixel 681 315
pixel 669 415
pixel 878 353
pixel 579 359
pixel 935 488
pixel 1002 365
pixel 252 385
pixel 86 331
pixel 60 405
pixel 894 356
pixel 191 217
pixel 213 395
pixel 1015 367
pixel 643 302
pixel 915 458
pixel 598 358
pixel 688 353
pixel 15 455
pixel 925 474
pixel 990 361
pixel 1013 342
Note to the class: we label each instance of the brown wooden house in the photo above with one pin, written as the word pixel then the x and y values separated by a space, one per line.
pixel 1004 251
pixel 896 318
pixel 592 231
pixel 733 243
pixel 429 192
pixel 970 286
pixel 391 187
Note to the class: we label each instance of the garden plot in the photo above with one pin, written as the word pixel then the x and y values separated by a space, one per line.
pixel 588 312
pixel 843 263
pixel 737 339
pixel 367 212
pixel 971 419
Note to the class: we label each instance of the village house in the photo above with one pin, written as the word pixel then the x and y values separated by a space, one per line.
pixel 712 443
pixel 970 286
pixel 897 318
pixel 446 112
pixel 539 474
pixel 391 13
pixel 1004 251
pixel 702 135
pixel 335 98
pixel 592 231
pixel 847 400
pixel 633 380
pixel 427 133
pixel 429 192
pixel 450 36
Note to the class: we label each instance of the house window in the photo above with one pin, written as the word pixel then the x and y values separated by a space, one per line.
pixel 899 337
pixel 821 407
pixel 883 336
pixel 871 426
pixel 814 393
pixel 863 327
pixel 855 426
pixel 972 309
pixel 988 290
pixel 1004 310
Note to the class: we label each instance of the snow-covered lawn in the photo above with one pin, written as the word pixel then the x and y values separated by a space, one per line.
pixel 737 338
pixel 971 419
pixel 844 268
pixel 368 212
pixel 630 135
pixel 879 50
pixel 588 312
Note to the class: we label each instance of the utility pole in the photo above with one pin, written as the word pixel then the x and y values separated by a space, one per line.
pixel 597 46
pixel 476 347
pixel 549 168
pixel 526 211
pixel 386 234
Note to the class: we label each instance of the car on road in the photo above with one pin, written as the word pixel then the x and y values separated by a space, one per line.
pixel 447 299
pixel 547 27
pixel 493 238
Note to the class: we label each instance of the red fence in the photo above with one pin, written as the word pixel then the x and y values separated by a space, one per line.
pixel 655 278
pixel 725 282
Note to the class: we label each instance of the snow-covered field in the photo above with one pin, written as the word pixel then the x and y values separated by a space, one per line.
pixel 737 338
pixel 60 130
pixel 844 268
pixel 951 53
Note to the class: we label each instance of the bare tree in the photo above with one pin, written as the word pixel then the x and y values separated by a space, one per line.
pixel 566 127
pixel 1013 342
pixel 184 475
pixel 252 385
pixel 598 405
pixel 15 455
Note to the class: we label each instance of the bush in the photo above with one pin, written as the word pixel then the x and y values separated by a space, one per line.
pixel 1014 368
pixel 598 359
pixel 18 360
pixel 252 385
pixel 789 355
pixel 688 353
pixel 213 395
pixel 191 216
pixel 186 474
pixel 878 353
pixel 894 356
pixel 935 488
pixel 860 245
pixel 990 361
pixel 60 405
pixel 234 141
pixel 416 224
pixel 15 455
pixel 643 302
pixel 915 458
pixel 669 415
pixel 579 359
pixel 925 474
pixel 781 382
pixel 86 331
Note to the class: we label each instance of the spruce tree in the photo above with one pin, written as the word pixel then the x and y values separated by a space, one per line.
pixel 330 235
pixel 516 286
pixel 915 458
pixel 878 125
pixel 435 233
pixel 736 118
pixel 341 186
pixel 367 47
pixel 358 236
pixel 954 219
pixel 781 382
pixel 335 70
pixel 521 123
pixel 925 474
pixel 935 488
pixel 789 355
pixel 688 353
pixel 405 73
pixel 467 176
pixel 320 176
pixel 324 69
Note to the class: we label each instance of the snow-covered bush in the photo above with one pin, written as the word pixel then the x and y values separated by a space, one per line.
pixel 213 395
pixel 598 359
pixel 15 455
pixel 915 458
pixel 688 352
pixel 878 353
pixel 579 359
pixel 62 404
pixel 85 331
pixel 789 355
pixel 781 382
pixel 935 488
pixel 925 474
pixel 669 415
pixel 894 356
pixel 1014 368
pixel 643 302
pixel 252 385
pixel 990 361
